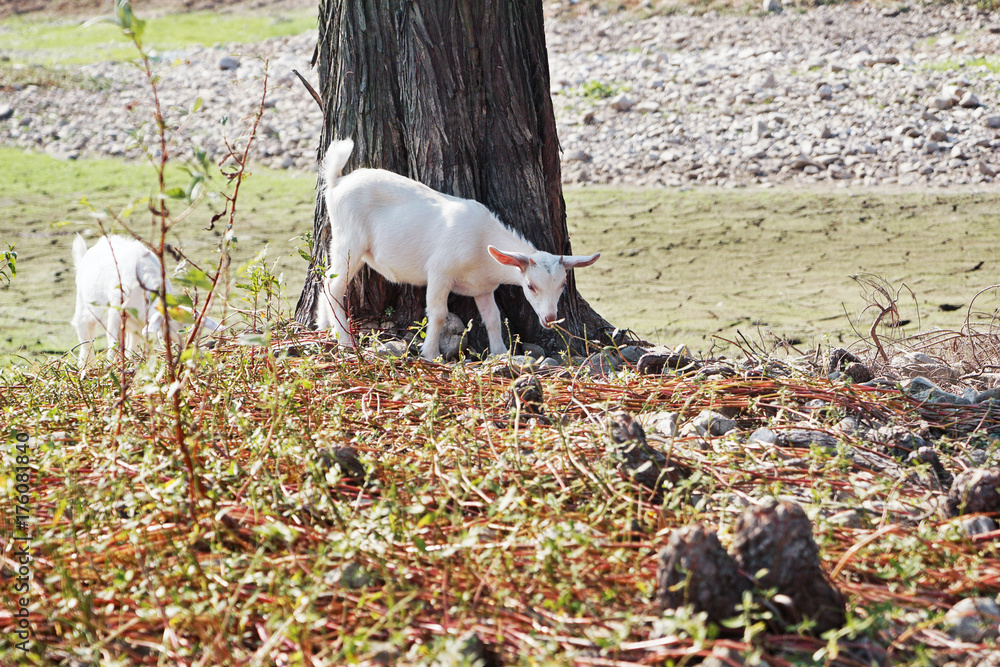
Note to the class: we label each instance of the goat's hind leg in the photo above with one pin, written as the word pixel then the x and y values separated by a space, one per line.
pixel 331 312
pixel 86 329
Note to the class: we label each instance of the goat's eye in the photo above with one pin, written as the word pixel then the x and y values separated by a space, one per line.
pixel 531 286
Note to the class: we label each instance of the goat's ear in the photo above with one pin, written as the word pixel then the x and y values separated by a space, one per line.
pixel 577 261
pixel 517 259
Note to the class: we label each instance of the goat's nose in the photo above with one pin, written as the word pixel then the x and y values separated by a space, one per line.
pixel 548 320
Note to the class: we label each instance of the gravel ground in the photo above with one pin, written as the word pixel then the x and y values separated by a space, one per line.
pixel 857 94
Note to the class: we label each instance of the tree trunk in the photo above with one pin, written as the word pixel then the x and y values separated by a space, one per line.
pixel 455 94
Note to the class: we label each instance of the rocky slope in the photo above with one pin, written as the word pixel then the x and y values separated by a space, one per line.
pixel 855 94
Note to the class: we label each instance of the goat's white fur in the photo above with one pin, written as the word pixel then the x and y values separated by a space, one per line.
pixel 412 234
pixel 119 278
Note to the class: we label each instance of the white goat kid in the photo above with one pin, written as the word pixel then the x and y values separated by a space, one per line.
pixel 412 234
pixel 119 278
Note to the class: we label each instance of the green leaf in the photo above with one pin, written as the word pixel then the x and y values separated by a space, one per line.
pixel 196 105
pixel 195 278
pixel 182 301
pixel 176 193
pixel 181 314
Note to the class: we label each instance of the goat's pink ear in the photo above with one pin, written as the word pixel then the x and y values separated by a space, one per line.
pixel 577 261
pixel 517 259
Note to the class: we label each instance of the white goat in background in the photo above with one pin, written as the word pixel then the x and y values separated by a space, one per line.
pixel 412 234
pixel 119 278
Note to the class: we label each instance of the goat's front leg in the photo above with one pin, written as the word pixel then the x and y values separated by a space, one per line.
pixel 437 312
pixel 491 319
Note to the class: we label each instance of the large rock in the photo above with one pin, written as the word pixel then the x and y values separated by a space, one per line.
pixel 777 537
pixel 694 569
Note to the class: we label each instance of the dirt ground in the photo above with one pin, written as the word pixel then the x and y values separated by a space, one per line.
pixel 91 7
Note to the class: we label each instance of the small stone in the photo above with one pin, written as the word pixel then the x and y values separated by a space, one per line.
pixel 525 395
pixel 227 63
pixel 664 423
pixel 636 458
pixel 975 491
pixel 992 122
pixel 658 360
pixel 973 620
pixel 938 134
pixel 941 103
pixel 979 525
pixel 805 438
pixel 969 101
pixel 825 91
pixel 764 436
pixel 988 395
pixel 344 460
pixel 924 454
pixel 350 575
pixel 709 422
pixel 985 169
pixel 475 652
pixel 603 363
pixel 914 364
pixel 576 155
pixel 648 106
pixel 622 102
pixel 772 6
pixel 532 350
pixel 632 353
pixel 847 519
pixel 392 348
pixel 588 117
pixel 6 112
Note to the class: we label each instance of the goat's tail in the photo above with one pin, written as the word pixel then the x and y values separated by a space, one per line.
pixel 337 154
pixel 79 249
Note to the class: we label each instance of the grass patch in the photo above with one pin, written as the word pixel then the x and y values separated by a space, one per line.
pixel 49 42
pixel 682 266
pixel 965 65
pixel 41 211
pixel 598 90
pixel 18 75
pixel 678 267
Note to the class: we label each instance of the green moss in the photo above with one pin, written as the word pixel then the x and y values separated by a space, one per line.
pixel 52 42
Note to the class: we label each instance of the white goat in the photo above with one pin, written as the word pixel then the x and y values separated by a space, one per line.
pixel 412 234
pixel 119 278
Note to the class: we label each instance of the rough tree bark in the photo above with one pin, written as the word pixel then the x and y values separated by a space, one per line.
pixel 455 94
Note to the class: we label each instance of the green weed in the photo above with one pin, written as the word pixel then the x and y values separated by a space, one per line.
pixel 599 90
